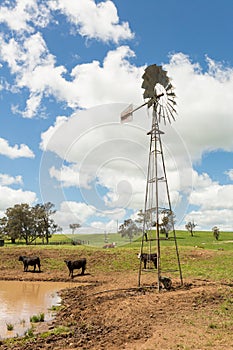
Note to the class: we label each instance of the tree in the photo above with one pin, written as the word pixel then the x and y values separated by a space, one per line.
pixel 28 223
pixel 73 227
pixel 216 232
pixel 167 221
pixel 190 227
pixel 17 222
pixel 44 224
pixel 141 217
pixel 129 229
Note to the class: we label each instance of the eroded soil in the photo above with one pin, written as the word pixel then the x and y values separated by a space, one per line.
pixel 109 312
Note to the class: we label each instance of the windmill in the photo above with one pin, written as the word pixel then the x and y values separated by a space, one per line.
pixel 158 217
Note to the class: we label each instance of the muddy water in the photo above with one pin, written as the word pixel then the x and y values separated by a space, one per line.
pixel 19 300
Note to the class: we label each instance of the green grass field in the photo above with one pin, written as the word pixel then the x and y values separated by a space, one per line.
pixel 201 239
pixel 201 256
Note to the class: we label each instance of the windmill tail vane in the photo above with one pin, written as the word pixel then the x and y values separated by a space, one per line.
pixel 127 114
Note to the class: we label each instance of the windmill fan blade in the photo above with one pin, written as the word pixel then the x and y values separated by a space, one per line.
pixel 169 86
pixel 168 114
pixel 172 94
pixel 172 102
pixel 171 110
pixel 159 112
pixel 171 106
pixel 164 107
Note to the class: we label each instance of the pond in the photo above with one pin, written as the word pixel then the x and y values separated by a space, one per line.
pixel 20 300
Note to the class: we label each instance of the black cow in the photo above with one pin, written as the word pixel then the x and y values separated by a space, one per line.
pixel 148 257
pixel 27 261
pixel 166 282
pixel 77 264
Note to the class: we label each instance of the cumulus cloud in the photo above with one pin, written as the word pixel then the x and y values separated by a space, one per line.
pixel 35 68
pixel 16 151
pixel 213 203
pixel 207 219
pixel 73 212
pixel 115 81
pixel 20 17
pixel 208 194
pixel 107 160
pixel 95 21
pixel 69 176
pixel 9 197
pixel 6 180
pixel 100 144
pixel 109 227
pixel 229 173
pixel 204 104
pixel 89 84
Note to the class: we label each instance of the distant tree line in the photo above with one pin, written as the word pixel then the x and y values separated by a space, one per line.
pixel 23 222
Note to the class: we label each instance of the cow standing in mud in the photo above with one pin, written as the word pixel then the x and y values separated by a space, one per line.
pixel 77 264
pixel 27 261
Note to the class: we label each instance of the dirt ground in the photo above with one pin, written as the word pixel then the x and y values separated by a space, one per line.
pixel 109 313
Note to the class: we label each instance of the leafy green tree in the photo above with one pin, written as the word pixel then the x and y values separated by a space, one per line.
pixel 190 226
pixel 44 224
pixel 129 229
pixel 17 222
pixel 167 221
pixel 29 223
pixel 3 231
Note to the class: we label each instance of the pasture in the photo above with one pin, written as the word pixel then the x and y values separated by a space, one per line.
pixel 110 312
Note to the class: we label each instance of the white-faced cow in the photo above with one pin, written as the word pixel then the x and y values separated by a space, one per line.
pixel 148 257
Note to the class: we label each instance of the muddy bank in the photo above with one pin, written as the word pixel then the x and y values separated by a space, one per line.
pixel 104 315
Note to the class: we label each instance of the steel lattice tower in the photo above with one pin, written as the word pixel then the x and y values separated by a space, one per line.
pixel 158 217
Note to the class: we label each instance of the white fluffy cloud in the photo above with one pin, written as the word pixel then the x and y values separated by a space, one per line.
pixel 95 21
pixel 90 84
pixel 204 104
pixel 35 68
pixel 100 144
pixel 15 151
pixel 229 173
pixel 107 160
pixel 99 21
pixel 208 194
pixel 25 12
pixel 9 197
pixel 214 203
pixel 73 212
pixel 207 219
pixel 69 176
pixel 76 212
pixel 6 180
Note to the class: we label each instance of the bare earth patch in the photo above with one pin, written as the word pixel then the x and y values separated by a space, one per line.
pixel 110 313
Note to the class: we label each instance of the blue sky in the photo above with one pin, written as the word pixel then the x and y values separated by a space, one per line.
pixel 68 69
